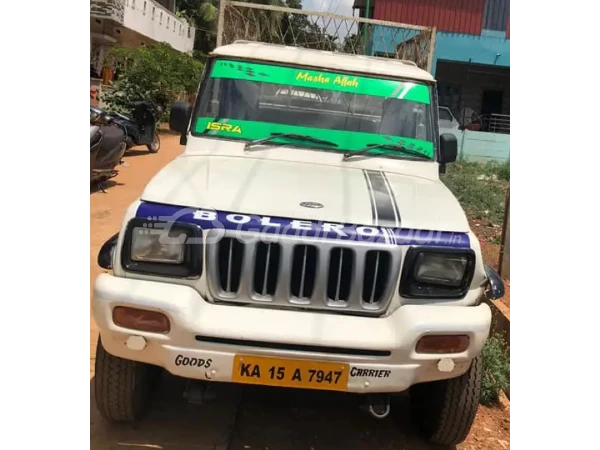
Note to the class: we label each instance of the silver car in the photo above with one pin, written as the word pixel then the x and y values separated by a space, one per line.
pixel 447 119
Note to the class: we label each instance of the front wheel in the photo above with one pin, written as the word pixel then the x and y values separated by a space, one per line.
pixel 155 145
pixel 445 410
pixel 123 388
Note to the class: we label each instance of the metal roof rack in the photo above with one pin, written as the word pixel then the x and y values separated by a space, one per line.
pixel 404 61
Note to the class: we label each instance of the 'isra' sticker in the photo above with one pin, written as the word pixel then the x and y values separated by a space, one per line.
pixel 216 126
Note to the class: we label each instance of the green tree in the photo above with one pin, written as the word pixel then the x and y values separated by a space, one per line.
pixel 276 27
pixel 352 44
pixel 155 73
pixel 204 15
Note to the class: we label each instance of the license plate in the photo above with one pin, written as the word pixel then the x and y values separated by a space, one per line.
pixel 294 373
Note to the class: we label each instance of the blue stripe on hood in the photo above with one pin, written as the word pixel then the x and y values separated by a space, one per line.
pixel 212 219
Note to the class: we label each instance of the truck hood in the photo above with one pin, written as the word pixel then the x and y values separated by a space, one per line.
pixel 337 194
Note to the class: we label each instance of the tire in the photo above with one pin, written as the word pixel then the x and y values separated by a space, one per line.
pixel 444 411
pixel 123 389
pixel 155 146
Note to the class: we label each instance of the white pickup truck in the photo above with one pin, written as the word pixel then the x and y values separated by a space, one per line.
pixel 300 242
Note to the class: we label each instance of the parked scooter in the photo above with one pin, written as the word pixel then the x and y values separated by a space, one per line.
pixel 107 147
pixel 141 126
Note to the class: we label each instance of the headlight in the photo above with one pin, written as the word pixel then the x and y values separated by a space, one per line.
pixel 146 245
pixel 437 272
pixel 163 249
pixel 442 269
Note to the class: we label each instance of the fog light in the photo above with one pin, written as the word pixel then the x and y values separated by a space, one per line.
pixel 443 344
pixel 141 319
pixel 135 343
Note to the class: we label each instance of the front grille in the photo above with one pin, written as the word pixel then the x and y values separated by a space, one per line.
pixel 298 272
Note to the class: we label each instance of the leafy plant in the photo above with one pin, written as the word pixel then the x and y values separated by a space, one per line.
pixel 155 73
pixel 480 188
pixel 496 370
pixel 267 26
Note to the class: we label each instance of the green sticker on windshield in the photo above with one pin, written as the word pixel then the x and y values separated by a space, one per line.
pixel 331 81
pixel 345 140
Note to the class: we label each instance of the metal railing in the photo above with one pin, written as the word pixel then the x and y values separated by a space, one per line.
pixel 325 31
pixel 496 123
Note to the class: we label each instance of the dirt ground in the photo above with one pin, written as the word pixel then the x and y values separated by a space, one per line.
pixel 248 417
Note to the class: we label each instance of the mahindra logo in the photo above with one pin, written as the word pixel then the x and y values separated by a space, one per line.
pixel 313 205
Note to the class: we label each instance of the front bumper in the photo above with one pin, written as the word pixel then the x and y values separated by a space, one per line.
pixel 384 348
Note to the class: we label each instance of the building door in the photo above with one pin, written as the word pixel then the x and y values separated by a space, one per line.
pixel 491 102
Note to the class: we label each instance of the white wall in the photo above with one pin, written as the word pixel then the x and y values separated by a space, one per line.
pixel 481 146
pixel 170 29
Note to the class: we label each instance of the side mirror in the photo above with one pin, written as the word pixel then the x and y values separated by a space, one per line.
pixel 105 256
pixel 448 148
pixel 180 117
pixel 495 288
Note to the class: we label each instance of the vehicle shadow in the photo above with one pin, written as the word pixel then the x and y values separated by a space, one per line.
pixel 267 418
pixel 295 419
pixel 171 424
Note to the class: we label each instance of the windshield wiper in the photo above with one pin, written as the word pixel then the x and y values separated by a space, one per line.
pixel 298 137
pixel 399 147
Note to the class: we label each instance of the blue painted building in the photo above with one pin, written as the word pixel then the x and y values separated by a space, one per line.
pixel 471 59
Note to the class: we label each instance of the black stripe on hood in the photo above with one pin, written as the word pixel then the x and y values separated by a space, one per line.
pixel 383 203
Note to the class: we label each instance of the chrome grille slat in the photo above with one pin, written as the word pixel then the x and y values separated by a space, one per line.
pixel 247 271
pixel 229 263
pixel 303 273
pixel 355 300
pixel 282 291
pixel 339 277
pixel 372 296
pixel 265 279
pixel 319 296
pixel 300 261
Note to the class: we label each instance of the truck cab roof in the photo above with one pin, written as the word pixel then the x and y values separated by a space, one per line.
pixel 321 59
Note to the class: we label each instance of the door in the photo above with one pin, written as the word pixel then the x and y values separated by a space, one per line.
pixel 491 102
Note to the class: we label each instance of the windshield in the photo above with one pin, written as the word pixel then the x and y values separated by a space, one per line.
pixel 249 101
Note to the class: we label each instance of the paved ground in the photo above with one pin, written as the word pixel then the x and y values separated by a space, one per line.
pixel 248 418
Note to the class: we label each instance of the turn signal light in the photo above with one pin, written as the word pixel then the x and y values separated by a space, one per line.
pixel 141 319
pixel 443 344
